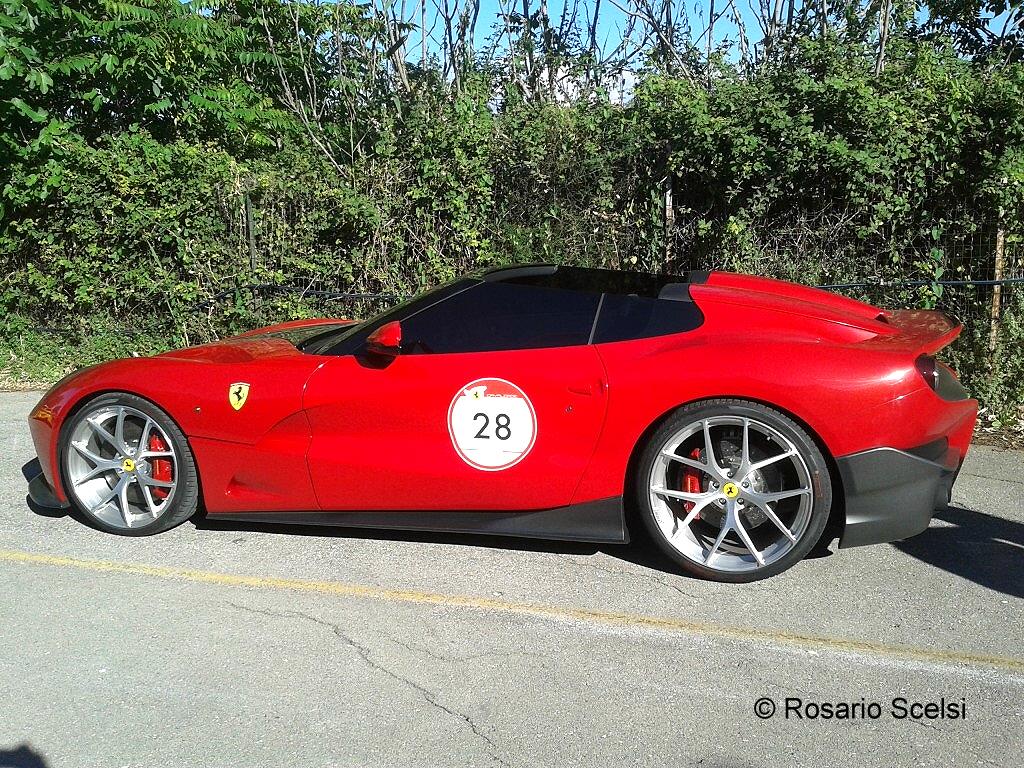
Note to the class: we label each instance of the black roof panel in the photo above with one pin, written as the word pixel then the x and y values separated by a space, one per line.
pixel 611 281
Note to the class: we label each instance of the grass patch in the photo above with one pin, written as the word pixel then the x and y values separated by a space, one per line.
pixel 35 358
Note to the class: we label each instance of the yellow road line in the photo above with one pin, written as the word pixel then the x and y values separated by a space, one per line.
pixel 603 618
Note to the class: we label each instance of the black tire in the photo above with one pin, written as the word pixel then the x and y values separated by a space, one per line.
pixel 807 448
pixel 185 498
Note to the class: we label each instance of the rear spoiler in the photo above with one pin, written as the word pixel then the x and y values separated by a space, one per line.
pixel 921 331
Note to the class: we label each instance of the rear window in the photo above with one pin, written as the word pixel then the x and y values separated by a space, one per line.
pixel 636 317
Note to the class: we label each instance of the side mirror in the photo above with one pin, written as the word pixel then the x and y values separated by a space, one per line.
pixel 386 340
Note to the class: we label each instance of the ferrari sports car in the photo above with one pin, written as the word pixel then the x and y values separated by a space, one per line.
pixel 736 418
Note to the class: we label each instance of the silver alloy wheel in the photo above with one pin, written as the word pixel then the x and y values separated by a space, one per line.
pixel 736 494
pixel 110 466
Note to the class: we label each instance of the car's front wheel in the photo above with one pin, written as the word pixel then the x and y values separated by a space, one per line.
pixel 733 490
pixel 127 467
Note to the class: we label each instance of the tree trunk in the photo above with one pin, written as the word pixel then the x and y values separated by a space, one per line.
pixel 997 290
pixel 711 34
pixel 883 35
pixel 773 26
pixel 670 221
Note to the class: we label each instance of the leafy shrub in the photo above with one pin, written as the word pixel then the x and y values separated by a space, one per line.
pixel 159 159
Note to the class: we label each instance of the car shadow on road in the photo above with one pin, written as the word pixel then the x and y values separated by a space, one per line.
pixel 45 512
pixel 21 757
pixel 976 546
pixel 982 548
pixel 640 550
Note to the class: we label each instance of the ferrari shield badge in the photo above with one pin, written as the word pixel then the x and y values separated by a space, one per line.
pixel 492 424
pixel 237 394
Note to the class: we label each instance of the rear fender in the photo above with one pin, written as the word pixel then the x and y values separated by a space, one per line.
pixel 843 399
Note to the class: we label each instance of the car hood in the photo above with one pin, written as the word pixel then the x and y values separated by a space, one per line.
pixel 280 340
pixel 296 331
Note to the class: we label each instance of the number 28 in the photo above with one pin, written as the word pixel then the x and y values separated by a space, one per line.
pixel 502 428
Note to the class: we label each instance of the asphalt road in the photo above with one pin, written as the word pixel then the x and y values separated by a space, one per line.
pixel 225 645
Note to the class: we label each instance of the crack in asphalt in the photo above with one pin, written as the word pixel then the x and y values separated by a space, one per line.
pixel 979 757
pixel 468 657
pixel 620 572
pixel 924 725
pixel 365 654
pixel 1010 480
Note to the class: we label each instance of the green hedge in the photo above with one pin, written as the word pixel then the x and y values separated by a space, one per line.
pixel 132 230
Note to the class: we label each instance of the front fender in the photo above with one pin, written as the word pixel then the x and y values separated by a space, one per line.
pixel 194 392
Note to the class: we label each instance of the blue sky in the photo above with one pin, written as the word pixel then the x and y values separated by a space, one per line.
pixel 612 20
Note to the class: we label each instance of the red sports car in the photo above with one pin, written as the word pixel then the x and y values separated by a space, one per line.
pixel 732 415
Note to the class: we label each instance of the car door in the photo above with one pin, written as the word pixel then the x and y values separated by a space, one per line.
pixel 464 418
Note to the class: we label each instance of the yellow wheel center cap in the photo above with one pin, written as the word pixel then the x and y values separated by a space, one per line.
pixel 730 490
pixel 128 465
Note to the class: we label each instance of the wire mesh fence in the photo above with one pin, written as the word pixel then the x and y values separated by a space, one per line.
pixel 979 294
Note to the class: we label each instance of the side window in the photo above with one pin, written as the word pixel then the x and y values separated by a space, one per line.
pixel 497 316
pixel 638 317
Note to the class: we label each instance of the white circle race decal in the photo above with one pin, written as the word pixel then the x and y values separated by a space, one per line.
pixel 492 424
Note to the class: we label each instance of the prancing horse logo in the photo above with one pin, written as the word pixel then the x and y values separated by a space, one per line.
pixel 237 394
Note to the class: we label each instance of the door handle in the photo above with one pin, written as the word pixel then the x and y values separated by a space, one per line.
pixel 586 388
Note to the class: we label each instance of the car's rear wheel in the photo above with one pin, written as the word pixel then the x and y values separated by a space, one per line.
pixel 127 467
pixel 733 490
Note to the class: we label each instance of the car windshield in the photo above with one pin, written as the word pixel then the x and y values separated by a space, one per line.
pixel 339 341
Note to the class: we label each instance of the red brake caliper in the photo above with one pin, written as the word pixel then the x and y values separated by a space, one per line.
pixel 160 469
pixel 691 481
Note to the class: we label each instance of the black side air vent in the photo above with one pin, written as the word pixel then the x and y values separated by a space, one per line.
pixel 675 292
